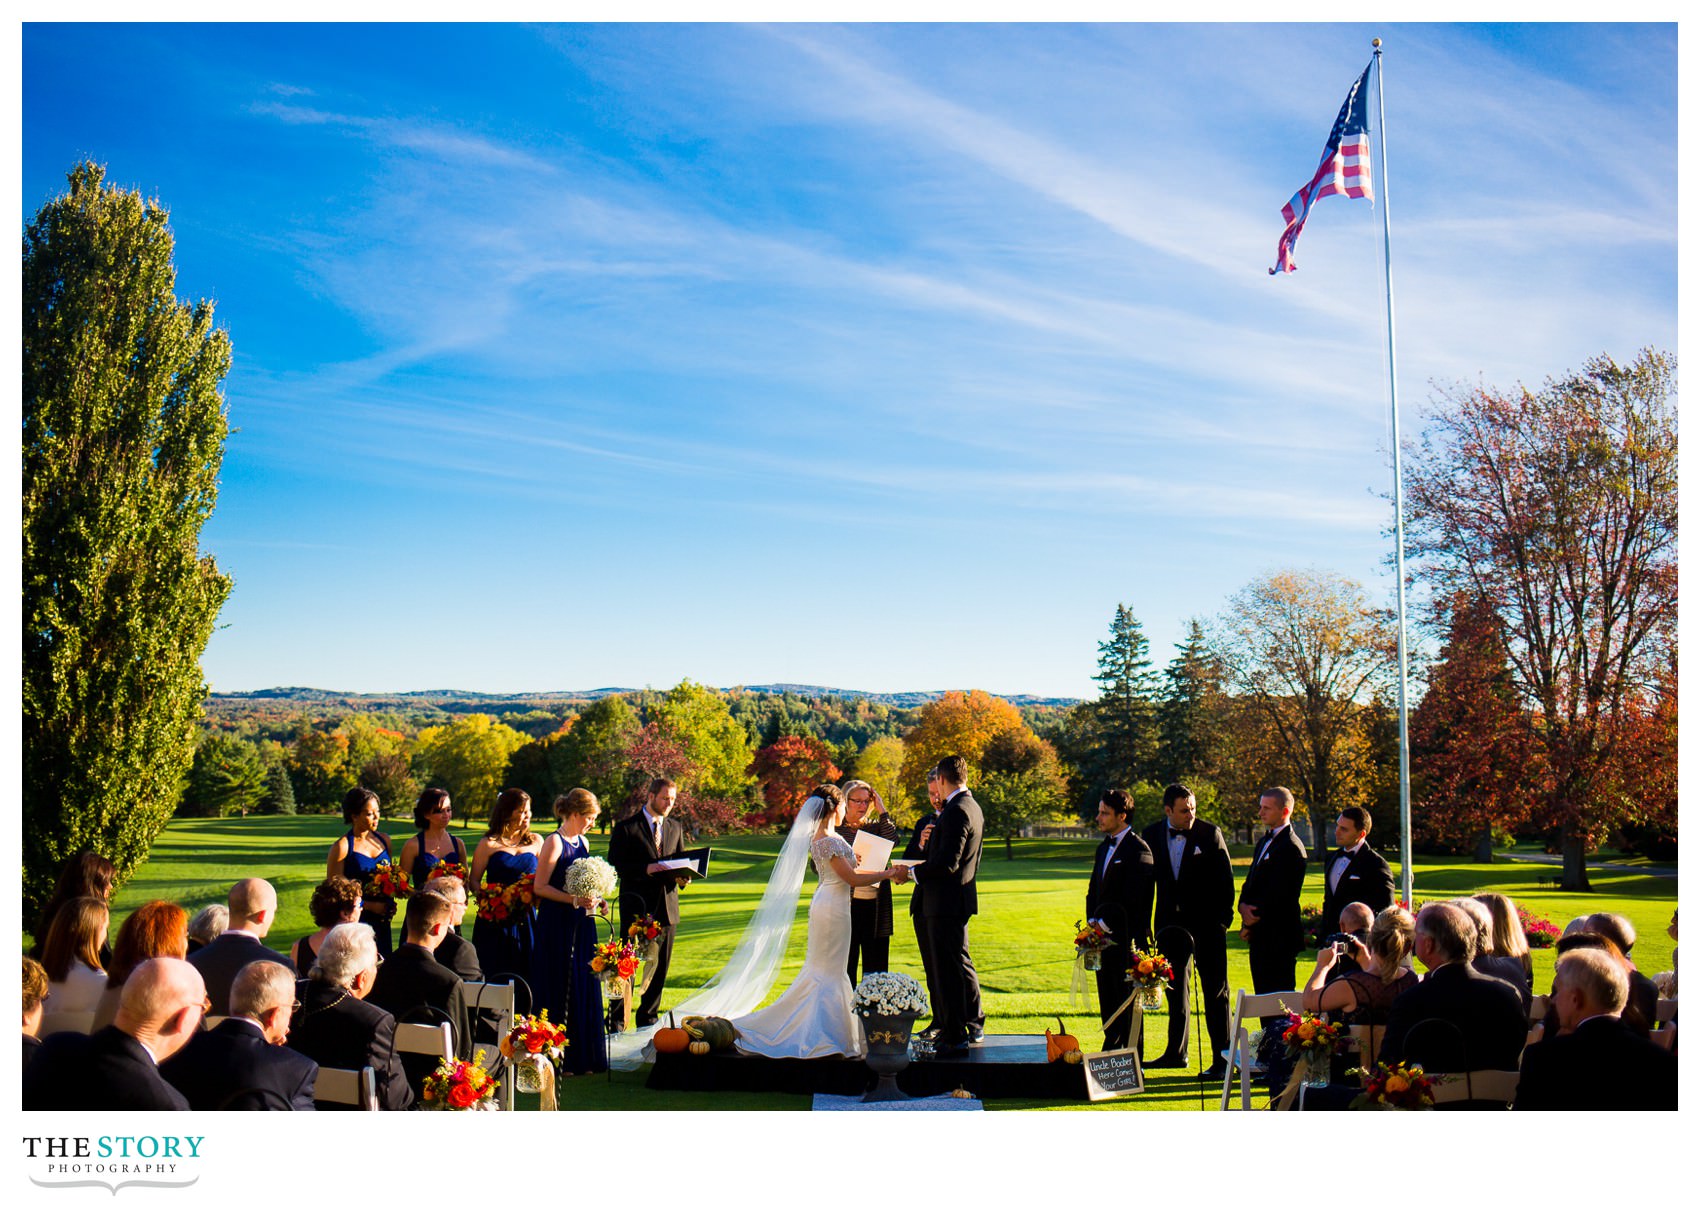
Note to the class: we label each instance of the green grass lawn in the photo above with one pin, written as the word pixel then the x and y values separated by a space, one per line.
pixel 1020 940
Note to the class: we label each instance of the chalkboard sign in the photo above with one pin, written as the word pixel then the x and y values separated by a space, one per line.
pixel 1113 1074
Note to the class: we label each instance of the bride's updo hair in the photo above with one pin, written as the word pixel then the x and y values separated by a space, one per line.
pixel 830 797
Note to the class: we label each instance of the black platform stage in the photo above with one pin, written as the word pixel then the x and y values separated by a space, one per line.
pixel 1003 1066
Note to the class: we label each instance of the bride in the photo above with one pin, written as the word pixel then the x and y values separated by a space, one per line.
pixel 813 1017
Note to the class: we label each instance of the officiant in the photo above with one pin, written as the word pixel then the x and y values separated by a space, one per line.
pixel 870 908
pixel 636 848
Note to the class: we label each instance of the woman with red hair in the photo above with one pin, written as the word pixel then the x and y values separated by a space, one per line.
pixel 158 928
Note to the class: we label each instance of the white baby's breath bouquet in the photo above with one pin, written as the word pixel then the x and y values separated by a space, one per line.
pixel 890 993
pixel 593 878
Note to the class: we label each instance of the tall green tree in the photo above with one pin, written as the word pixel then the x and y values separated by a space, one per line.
pixel 279 796
pixel 123 435
pixel 701 721
pixel 1128 689
pixel 1189 719
pixel 226 777
pixel 592 754
pixel 469 757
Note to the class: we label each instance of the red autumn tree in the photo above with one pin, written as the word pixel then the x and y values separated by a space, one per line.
pixel 1470 765
pixel 788 770
pixel 1558 508
pixel 653 752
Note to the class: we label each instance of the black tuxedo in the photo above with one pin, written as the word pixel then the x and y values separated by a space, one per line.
pixel 1190 923
pixel 459 956
pixel 1273 885
pixel 1119 894
pixel 412 985
pixel 1456 1019
pixel 631 849
pixel 949 898
pixel 106 1071
pixel 1367 878
pixel 1604 1065
pixel 339 1031
pixel 234 1059
pixel 220 960
pixel 923 943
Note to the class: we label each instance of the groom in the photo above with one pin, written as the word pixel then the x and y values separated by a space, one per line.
pixel 946 887
pixel 635 847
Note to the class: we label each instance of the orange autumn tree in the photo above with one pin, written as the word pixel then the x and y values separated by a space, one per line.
pixel 955 723
pixel 788 770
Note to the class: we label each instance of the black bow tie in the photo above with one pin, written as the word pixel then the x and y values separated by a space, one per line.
pixel 1174 833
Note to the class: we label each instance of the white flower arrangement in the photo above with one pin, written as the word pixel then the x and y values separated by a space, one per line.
pixel 592 877
pixel 890 993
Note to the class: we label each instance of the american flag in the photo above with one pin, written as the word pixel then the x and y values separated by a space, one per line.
pixel 1344 170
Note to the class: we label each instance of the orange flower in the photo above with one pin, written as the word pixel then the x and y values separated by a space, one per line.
pixel 1397 1084
pixel 1146 967
pixel 598 964
pixel 462 1096
pixel 507 1047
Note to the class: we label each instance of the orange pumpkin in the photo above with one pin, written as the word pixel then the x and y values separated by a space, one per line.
pixel 672 1038
pixel 1060 1044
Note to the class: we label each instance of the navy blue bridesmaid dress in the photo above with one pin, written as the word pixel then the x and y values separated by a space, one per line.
pixel 423 862
pixel 564 983
pixel 506 947
pixel 359 867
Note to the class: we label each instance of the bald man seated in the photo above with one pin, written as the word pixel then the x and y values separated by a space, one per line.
pixel 1598 1062
pixel 253 909
pixel 117 1068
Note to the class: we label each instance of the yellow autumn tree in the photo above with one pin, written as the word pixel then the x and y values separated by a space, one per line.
pixel 956 723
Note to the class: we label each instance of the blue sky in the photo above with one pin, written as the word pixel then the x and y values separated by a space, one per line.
pixel 889 357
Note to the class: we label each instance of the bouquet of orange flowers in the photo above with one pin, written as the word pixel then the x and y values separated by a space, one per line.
pixel 448 867
pixel 1309 1038
pixel 615 960
pixel 384 887
pixel 460 1086
pixel 493 903
pixel 1149 969
pixel 535 1036
pixel 521 895
pixel 1398 1087
pixel 643 933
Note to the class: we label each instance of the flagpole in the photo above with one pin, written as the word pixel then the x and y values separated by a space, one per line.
pixel 1398 497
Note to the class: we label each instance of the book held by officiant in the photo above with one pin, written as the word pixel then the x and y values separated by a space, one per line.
pixel 693 861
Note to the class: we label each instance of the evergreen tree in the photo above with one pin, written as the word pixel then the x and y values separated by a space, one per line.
pixel 279 796
pixel 123 435
pixel 1128 686
pixel 226 777
pixel 1187 719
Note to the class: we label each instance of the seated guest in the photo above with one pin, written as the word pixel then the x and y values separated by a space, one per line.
pixel 116 1068
pixel 1487 963
pixel 1643 1008
pixel 1597 1063
pixel 71 957
pixel 1455 1019
pixel 253 908
pixel 35 1001
pixel 207 925
pixel 454 951
pixel 1587 940
pixel 1356 919
pixel 1508 937
pixel 335 901
pixel 84 874
pixel 1575 925
pixel 1365 995
pixel 241 1064
pixel 156 929
pixel 337 1028
pixel 415 988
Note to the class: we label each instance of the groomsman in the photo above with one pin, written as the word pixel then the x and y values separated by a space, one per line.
pixel 1270 920
pixel 914 849
pixel 636 847
pixel 1355 871
pixel 950 861
pixel 1118 897
pixel 1195 907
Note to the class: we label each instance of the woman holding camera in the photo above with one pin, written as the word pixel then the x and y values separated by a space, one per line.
pixel 1365 997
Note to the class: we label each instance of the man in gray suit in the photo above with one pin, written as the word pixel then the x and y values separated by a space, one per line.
pixel 949 864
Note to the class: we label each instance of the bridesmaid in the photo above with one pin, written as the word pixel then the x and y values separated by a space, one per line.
pixel 506 854
pixel 433 843
pixel 358 853
pixel 566 937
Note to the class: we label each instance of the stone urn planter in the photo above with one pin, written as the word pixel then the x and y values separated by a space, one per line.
pixel 888 1054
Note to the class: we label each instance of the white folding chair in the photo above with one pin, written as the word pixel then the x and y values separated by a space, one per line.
pixel 1665 1037
pixel 480 995
pixel 1251 1005
pixel 1537 1008
pixel 80 1021
pixel 357 1088
pixel 426 1039
pixel 1667 1011
pixel 1483 1085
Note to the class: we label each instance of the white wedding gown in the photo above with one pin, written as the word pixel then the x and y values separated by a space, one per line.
pixel 813 1018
